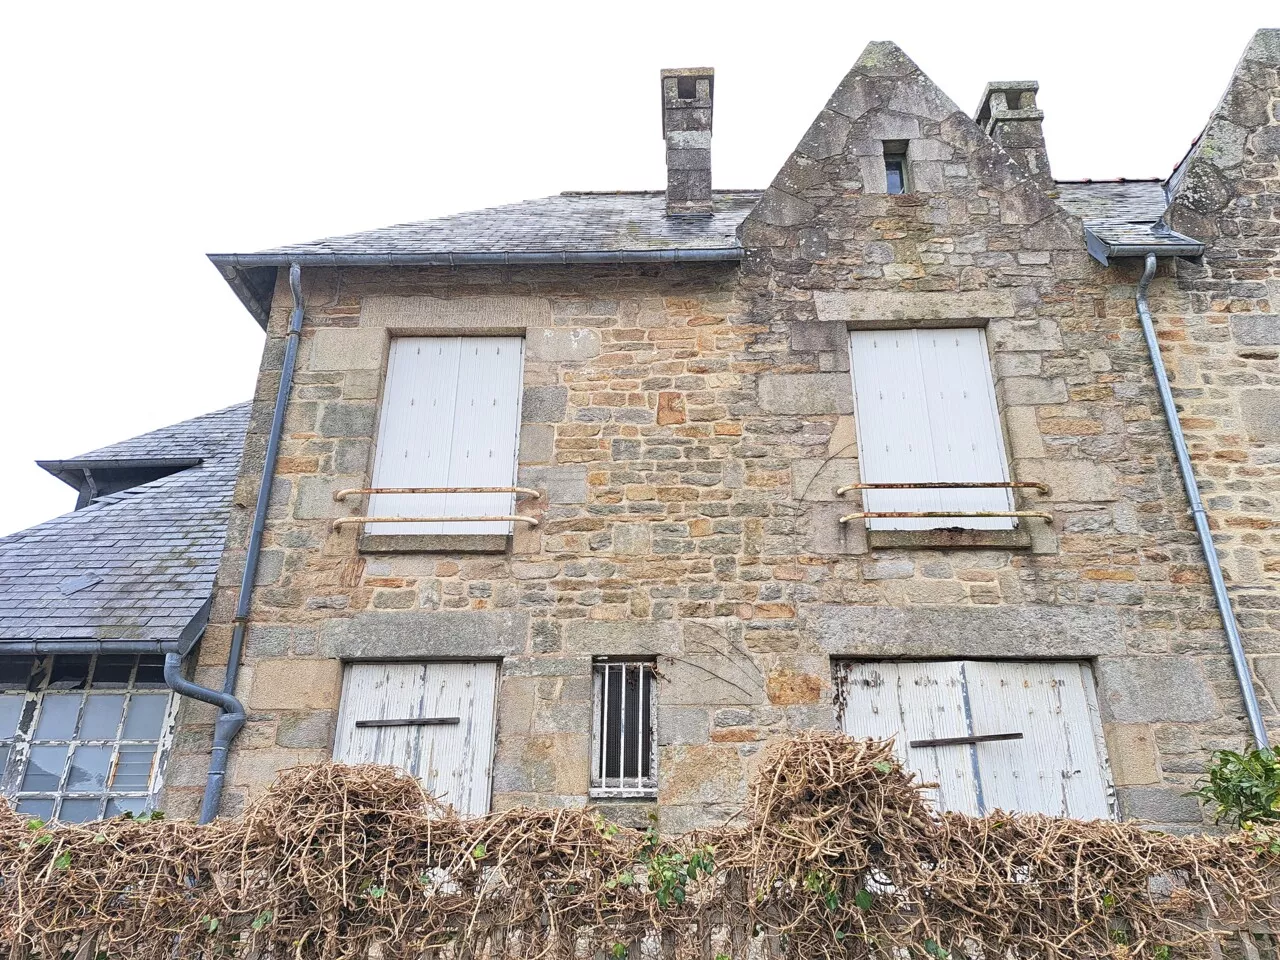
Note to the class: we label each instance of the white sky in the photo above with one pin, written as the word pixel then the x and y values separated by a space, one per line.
pixel 141 136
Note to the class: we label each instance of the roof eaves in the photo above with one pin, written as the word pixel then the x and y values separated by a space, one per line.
pixel 392 259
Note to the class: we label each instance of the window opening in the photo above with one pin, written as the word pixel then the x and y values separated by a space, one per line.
pixel 895 166
pixel 82 737
pixel 687 88
pixel 622 755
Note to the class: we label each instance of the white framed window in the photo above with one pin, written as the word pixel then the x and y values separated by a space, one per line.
pixel 623 759
pixel 83 737
pixel 926 413
pixel 1020 736
pixel 450 418
pixel 435 720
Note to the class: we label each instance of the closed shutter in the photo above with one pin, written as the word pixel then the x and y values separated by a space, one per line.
pixel 1058 766
pixel 450 418
pixel 451 753
pixel 926 411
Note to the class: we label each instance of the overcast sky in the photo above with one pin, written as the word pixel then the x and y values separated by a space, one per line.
pixel 141 136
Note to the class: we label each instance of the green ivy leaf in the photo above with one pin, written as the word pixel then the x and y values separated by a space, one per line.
pixel 480 851
pixel 883 766
pixel 63 861
pixel 619 950
pixel 262 919
pixel 863 899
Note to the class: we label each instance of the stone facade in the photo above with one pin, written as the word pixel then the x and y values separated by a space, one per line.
pixel 690 424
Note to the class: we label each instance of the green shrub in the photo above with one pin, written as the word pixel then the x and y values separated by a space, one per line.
pixel 1243 788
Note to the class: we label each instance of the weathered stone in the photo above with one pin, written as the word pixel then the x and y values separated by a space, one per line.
pixel 1075 481
pixel 1159 805
pixel 1131 747
pixel 295 684
pixel 1030 630
pixel 348 419
pixel 544 404
pixel 818 480
pixel 1154 690
pixel 466 311
pixel 471 633
pixel 804 393
pixel 560 485
pixel 557 344
pixel 1261 411
pixel 877 307
pixel 313 729
pixel 1256 329
pixel 343 348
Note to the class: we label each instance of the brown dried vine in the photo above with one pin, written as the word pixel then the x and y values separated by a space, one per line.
pixel 840 857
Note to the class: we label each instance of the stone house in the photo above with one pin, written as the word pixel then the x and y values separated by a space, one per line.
pixel 584 499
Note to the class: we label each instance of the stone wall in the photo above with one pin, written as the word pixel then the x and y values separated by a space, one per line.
pixel 690 425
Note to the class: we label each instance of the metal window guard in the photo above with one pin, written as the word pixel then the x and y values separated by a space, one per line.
pixel 931 514
pixel 509 517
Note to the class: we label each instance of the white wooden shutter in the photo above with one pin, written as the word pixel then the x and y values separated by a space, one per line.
pixel 450 418
pixel 926 411
pixel 1057 768
pixel 454 761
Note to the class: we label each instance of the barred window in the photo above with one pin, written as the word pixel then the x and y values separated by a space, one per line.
pixel 81 736
pixel 623 763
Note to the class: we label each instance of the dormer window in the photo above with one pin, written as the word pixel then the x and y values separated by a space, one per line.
pixel 895 166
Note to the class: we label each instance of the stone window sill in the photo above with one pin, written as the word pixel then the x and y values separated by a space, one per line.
pixel 1019 538
pixel 435 543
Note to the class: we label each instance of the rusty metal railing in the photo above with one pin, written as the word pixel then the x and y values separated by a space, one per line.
pixel 518 491
pixel 947 514
pixel 486 518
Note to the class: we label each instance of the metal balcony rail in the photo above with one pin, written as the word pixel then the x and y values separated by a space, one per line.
pixel 361 491
pixel 942 514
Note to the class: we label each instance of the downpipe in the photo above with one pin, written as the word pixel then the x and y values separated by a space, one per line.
pixel 232 718
pixel 1238 658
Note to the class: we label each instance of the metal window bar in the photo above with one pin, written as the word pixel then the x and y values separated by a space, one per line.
pixel 362 491
pixel 623 763
pixel 1041 488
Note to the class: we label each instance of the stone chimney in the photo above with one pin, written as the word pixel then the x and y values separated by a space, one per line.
pixel 686 125
pixel 1010 117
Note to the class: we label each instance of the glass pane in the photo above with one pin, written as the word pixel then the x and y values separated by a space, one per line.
pixel 15 672
pixel 89 768
pixel 10 714
pixel 58 713
pixel 78 810
pixel 44 768
pixel 146 716
pixel 133 766
pixel 101 717
pixel 35 807
pixel 112 671
pixel 119 805
pixel 69 673
pixel 150 672
pixel 4 760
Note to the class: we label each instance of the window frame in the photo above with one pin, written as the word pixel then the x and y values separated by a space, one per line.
pixel 383 508
pixel 34 697
pixel 644 785
pixel 963 499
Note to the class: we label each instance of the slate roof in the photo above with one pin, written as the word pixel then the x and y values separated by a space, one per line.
pixel 567 224
pixel 1123 213
pixel 614 227
pixel 132 565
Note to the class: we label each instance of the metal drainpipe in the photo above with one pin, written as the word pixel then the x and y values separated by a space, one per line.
pixel 1238 658
pixel 233 715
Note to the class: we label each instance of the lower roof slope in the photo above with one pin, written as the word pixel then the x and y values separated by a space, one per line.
pixel 137 564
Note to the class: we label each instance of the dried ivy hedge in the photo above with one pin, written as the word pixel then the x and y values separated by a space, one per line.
pixel 839 857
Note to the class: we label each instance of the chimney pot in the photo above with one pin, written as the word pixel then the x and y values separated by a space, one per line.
pixel 686 126
pixel 1009 115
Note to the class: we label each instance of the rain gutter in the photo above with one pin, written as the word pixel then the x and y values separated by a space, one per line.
pixel 1238 657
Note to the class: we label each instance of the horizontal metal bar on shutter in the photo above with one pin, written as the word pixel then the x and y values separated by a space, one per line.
pixel 511 517
pixel 411 722
pixel 518 491
pixel 965 741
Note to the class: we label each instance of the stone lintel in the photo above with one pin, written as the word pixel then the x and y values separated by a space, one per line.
pixel 887 308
